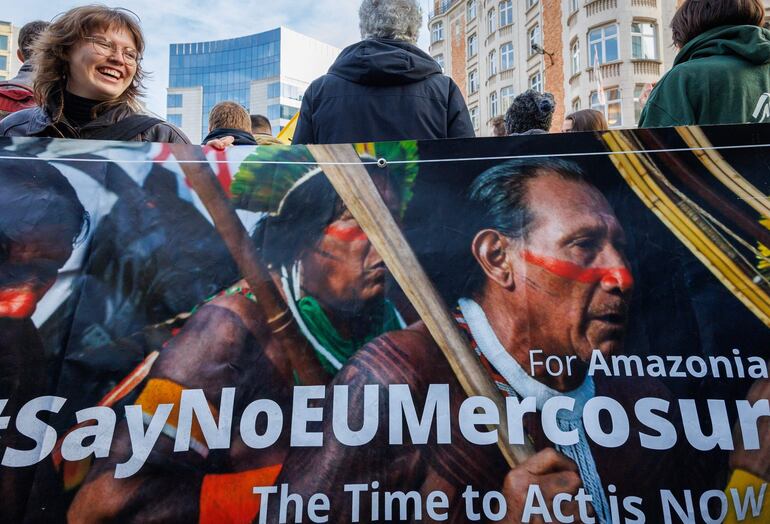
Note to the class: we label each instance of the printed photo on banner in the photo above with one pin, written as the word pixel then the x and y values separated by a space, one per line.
pixel 545 328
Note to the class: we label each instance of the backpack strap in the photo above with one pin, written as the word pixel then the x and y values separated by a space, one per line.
pixel 125 129
pixel 15 86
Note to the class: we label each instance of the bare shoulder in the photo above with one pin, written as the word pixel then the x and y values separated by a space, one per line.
pixel 215 337
pixel 407 356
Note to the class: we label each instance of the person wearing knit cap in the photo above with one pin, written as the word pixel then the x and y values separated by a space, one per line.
pixel 530 113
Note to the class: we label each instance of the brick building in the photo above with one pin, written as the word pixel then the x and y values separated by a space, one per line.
pixel 495 49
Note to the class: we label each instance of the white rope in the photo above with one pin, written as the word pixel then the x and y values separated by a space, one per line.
pixel 374 162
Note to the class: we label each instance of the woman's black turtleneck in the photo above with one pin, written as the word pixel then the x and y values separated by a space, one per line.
pixel 78 110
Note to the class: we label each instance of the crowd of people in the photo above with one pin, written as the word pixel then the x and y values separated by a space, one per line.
pixel 83 79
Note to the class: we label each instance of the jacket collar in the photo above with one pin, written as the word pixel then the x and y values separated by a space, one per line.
pixel 41 120
pixel 26 75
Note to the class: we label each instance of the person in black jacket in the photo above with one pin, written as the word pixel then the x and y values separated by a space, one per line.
pixel 384 87
pixel 230 119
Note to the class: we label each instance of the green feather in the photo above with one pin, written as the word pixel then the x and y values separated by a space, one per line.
pixel 260 186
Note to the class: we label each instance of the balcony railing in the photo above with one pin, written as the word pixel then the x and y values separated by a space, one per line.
pixel 597 6
pixel 646 67
pixel 608 71
pixel 441 8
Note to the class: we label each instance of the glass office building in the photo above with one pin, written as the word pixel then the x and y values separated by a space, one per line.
pixel 266 73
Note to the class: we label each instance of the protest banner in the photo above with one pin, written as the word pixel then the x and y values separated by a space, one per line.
pixel 547 328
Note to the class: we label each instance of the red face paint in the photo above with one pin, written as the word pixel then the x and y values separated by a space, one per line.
pixel 609 276
pixel 345 234
pixel 18 302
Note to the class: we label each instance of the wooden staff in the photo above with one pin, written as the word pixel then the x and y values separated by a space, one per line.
pixel 301 356
pixel 344 170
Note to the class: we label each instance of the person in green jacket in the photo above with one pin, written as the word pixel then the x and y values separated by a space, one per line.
pixel 721 74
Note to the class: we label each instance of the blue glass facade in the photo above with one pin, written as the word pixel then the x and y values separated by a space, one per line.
pixel 175 119
pixel 173 101
pixel 225 68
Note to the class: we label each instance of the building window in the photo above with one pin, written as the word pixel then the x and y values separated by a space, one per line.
pixel 491 21
pixel 506 12
pixel 574 54
pixel 574 5
pixel 611 106
pixel 493 109
pixel 506 56
pixel 644 40
pixel 534 39
pixel 274 90
pixel 471 10
pixel 641 94
pixel 273 111
pixel 474 112
pixel 506 97
pixel 3 62
pixel 173 100
pixel 440 61
pixel 291 91
pixel 531 3
pixel 437 32
pixel 287 111
pixel 576 104
pixel 473 45
pixel 603 44
pixel 473 81
pixel 536 82
pixel 175 120
pixel 3 42
pixel 492 62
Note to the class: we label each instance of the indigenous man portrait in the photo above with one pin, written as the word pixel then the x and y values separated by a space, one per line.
pixel 41 219
pixel 334 283
pixel 543 267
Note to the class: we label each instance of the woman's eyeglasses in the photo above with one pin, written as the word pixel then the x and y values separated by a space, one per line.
pixel 106 47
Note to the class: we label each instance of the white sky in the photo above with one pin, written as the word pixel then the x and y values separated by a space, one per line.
pixel 170 21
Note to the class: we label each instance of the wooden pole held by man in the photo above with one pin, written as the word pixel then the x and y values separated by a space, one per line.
pixel 349 177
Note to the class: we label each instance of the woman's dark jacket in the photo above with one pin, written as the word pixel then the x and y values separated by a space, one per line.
pixel 36 121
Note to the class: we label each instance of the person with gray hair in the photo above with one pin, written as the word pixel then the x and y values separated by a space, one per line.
pixel 383 87
pixel 397 20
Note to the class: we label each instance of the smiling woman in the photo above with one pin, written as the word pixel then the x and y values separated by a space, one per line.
pixel 89 79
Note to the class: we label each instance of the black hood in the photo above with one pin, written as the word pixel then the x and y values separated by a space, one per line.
pixel 242 138
pixel 384 62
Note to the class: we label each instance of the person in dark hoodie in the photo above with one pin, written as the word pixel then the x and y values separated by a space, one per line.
pixel 384 87
pixel 230 119
pixel 721 74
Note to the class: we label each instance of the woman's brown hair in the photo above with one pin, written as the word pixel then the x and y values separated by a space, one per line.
pixel 698 16
pixel 52 47
pixel 587 120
